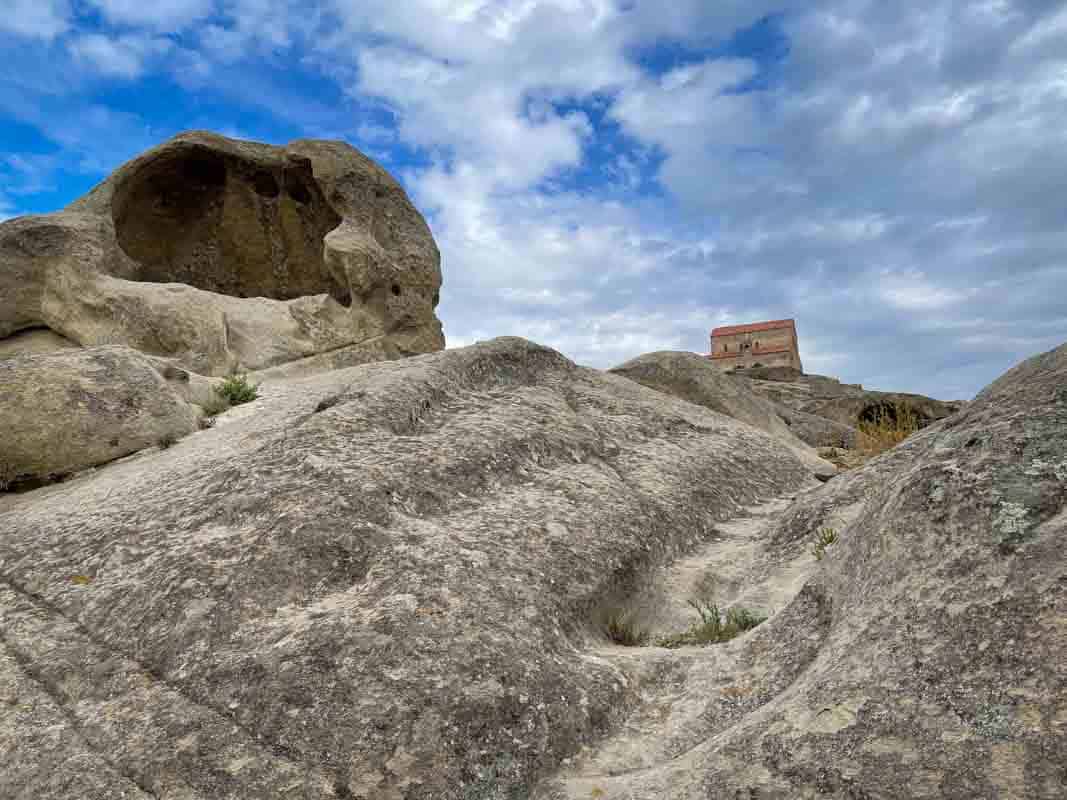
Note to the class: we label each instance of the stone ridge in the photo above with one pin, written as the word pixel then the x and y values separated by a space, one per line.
pixel 372 583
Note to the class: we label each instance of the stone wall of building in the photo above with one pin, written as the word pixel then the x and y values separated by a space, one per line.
pixel 761 344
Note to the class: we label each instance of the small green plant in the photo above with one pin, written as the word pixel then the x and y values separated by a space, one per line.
pixel 623 629
pixel 216 405
pixel 714 626
pixel 237 389
pixel 824 538
pixel 166 440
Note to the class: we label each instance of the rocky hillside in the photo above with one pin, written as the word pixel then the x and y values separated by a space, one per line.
pixel 824 412
pixel 484 573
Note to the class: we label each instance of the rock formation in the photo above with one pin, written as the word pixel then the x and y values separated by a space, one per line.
pixel 201 257
pixel 223 254
pixel 694 378
pixel 375 583
pixel 389 582
pixel 824 412
pixel 921 656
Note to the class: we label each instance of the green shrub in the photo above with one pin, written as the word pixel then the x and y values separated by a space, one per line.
pixel 714 626
pixel 237 389
pixel 824 537
pixel 623 629
pixel 166 440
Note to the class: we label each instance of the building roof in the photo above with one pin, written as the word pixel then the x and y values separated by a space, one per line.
pixel 754 327
pixel 758 352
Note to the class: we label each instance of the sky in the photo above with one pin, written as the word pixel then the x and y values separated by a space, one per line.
pixel 613 177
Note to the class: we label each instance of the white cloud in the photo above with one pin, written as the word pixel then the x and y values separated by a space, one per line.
pixel 122 57
pixel 902 163
pixel 44 19
pixel 158 14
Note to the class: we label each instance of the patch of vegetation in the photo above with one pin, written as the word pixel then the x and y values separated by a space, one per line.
pixel 884 427
pixel 8 473
pixel 714 627
pixel 623 629
pixel 237 389
pixel 166 440
pixel 824 537
pixel 216 405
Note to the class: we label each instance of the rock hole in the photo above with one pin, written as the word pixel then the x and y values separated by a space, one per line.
pixel 265 185
pixel 396 290
pixel 296 189
pixel 224 224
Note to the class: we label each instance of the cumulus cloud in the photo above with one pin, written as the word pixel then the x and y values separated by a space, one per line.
pixel 161 14
pixel 43 19
pixel 612 177
pixel 120 57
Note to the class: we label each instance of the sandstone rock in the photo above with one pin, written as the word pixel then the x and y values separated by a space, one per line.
pixel 224 254
pixel 808 399
pixel 384 582
pixel 817 431
pixel 924 655
pixel 693 378
pixel 74 409
pixel 370 583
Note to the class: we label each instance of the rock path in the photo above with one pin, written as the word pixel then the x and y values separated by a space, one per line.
pixel 690 695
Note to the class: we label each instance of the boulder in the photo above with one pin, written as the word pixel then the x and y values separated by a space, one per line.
pixel 695 379
pixel 73 409
pixel 377 582
pixel 224 254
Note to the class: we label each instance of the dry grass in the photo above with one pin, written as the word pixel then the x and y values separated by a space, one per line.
pixel 623 629
pixel 891 426
pixel 824 537
pixel 8 473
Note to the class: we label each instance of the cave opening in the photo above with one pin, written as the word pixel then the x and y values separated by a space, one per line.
pixel 217 222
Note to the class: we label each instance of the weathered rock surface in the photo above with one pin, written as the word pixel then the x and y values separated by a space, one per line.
pixel 693 378
pixel 224 254
pixel 377 583
pixel 384 582
pixel 925 655
pixel 807 400
pixel 73 409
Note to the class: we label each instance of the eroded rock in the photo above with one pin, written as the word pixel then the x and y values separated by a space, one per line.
pixel 73 409
pixel 224 254
pixel 694 378
pixel 939 646
pixel 371 583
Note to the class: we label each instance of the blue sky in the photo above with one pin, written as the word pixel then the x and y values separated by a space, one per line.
pixel 611 177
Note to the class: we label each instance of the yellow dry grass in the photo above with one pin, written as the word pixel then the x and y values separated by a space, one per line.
pixel 891 426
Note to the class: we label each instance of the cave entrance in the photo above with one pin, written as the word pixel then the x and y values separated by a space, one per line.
pixel 208 219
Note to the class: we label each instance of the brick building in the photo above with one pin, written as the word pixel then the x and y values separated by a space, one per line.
pixel 759 344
